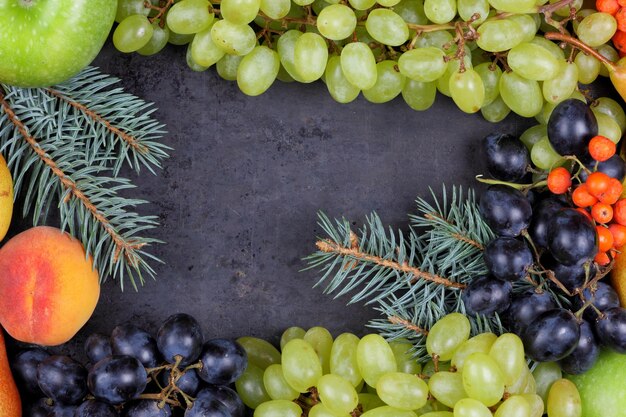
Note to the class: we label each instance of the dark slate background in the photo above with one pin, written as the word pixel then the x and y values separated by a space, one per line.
pixel 238 198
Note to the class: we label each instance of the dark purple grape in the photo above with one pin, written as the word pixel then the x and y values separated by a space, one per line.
pixel 189 382
pixel 117 379
pixel 487 295
pixel 223 361
pixel 62 410
pixel 98 347
pixel 525 308
pixel 611 329
pixel 572 237
pixel 40 408
pixel 571 126
pixel 543 211
pixel 585 353
pixel 180 335
pixel 24 367
pixel 94 408
pixel 508 258
pixel 614 167
pixel 207 407
pixel 506 210
pixel 603 298
pixel 132 341
pixel 507 158
pixel 62 379
pixel 571 276
pixel 552 336
pixel 148 408
pixel 226 396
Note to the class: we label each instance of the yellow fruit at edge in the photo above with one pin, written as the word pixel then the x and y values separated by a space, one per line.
pixel 618 276
pixel 6 198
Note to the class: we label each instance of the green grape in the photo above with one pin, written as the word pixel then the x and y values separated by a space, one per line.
pixel 588 68
pixel 276 385
pixel 286 46
pixel 362 4
pixel 490 75
pixel 127 8
pixel 257 71
pixel 402 351
pixel 250 387
pixel 523 96
pixel 597 29
pixel 359 65
pixel 533 62
pixel 508 352
pixel 190 16
pixel 260 353
pixel 320 410
pixel 499 35
pixel 310 56
pixel 418 95
pixel 322 342
pixel 533 135
pixel 480 57
pixel 375 358
pixel 204 50
pixel 446 335
pixel 301 365
pixel 423 64
pixel 529 25
pixel 389 83
pixel 467 8
pixel 388 3
pixel 536 404
pixel 440 11
pixel 178 39
pixel 544 115
pixel 447 387
pixel 278 408
pixel 608 127
pixel 337 394
pixel 467 91
pixel 343 358
pixel 157 42
pixel 443 83
pixel 133 33
pixel 563 400
pixel 402 391
pixel 429 368
pixel 483 379
pixel 387 27
pixel 612 109
pixel 514 406
pixel 387 411
pixel 295 13
pixel 525 382
pixel 496 111
pixel 565 10
pixel 580 15
pixel 232 38
pixel 544 156
pixel 437 39
pixel 412 11
pixel 302 2
pixel 513 6
pixel 432 406
pixel 336 22
pixel 469 407
pixel 193 65
pixel 563 85
pixel 227 69
pixel 554 49
pixel 240 12
pixel 545 374
pixel 480 343
pixel 438 414
pixel 275 9
pixel 370 401
pixel 609 53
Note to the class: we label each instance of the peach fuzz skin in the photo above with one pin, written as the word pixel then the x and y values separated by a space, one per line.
pixel 10 404
pixel 48 289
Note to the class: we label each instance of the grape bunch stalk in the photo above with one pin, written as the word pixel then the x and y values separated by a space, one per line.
pixel 487 55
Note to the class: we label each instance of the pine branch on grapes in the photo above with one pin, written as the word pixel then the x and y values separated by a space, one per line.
pixel 66 146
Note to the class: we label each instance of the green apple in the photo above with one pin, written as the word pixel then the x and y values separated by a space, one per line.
pixel 45 42
pixel 603 388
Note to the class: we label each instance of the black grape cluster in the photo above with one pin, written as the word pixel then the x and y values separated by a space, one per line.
pixel 132 374
pixel 544 277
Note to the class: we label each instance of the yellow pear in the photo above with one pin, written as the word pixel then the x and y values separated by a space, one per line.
pixel 6 198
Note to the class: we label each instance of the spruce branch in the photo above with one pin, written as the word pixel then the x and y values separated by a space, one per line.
pixel 66 145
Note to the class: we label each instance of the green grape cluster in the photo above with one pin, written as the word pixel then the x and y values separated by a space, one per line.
pixel 487 55
pixel 319 376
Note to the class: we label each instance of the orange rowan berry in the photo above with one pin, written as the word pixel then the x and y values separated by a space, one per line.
pixel 601 148
pixel 602 259
pixel 607 6
pixel 585 212
pixel 620 16
pixel 559 180
pixel 605 238
pixel 619 211
pixel 619 234
pixel 597 183
pixel 602 212
pixel 619 40
pixel 582 197
pixel 613 193
pixel 621 3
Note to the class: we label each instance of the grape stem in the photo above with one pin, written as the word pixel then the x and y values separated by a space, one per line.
pixel 161 11
pixel 553 36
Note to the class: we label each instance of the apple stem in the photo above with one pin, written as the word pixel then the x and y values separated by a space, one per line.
pixel 554 36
